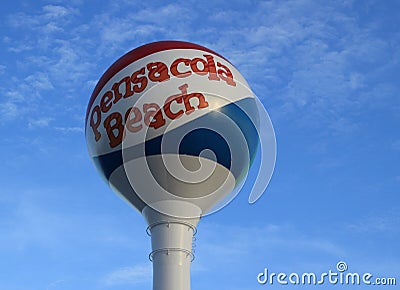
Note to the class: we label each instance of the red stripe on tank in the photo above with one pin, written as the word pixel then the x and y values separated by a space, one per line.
pixel 137 54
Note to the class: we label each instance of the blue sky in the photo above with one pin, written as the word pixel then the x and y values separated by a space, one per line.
pixel 328 74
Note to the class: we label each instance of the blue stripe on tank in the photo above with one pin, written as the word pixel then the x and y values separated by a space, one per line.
pixel 200 139
pixel 196 140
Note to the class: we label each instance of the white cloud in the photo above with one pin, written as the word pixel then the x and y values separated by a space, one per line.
pixel 385 223
pixel 69 65
pixel 20 47
pixel 290 53
pixel 129 275
pixel 39 81
pixel 56 11
pixel 356 80
pixel 54 285
pixel 55 15
pixel 303 63
pixel 8 111
pixel 343 125
pixel 228 243
pixel 164 14
pixel 302 57
pixel 38 218
pixel 145 25
pixel 39 123
pixel 22 20
pixel 70 129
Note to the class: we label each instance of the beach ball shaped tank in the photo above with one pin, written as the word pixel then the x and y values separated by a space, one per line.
pixel 172 121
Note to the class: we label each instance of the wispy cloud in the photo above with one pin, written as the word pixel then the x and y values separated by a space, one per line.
pixel 55 72
pixel 70 129
pixel 384 223
pixel 39 81
pixel 50 19
pixel 54 285
pixel 148 23
pixel 298 62
pixel 129 275
pixel 303 66
pixel 39 123
pixel 316 65
pixel 8 111
pixel 244 241
pixel 48 222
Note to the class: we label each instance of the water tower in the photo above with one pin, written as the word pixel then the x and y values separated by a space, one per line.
pixel 173 128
